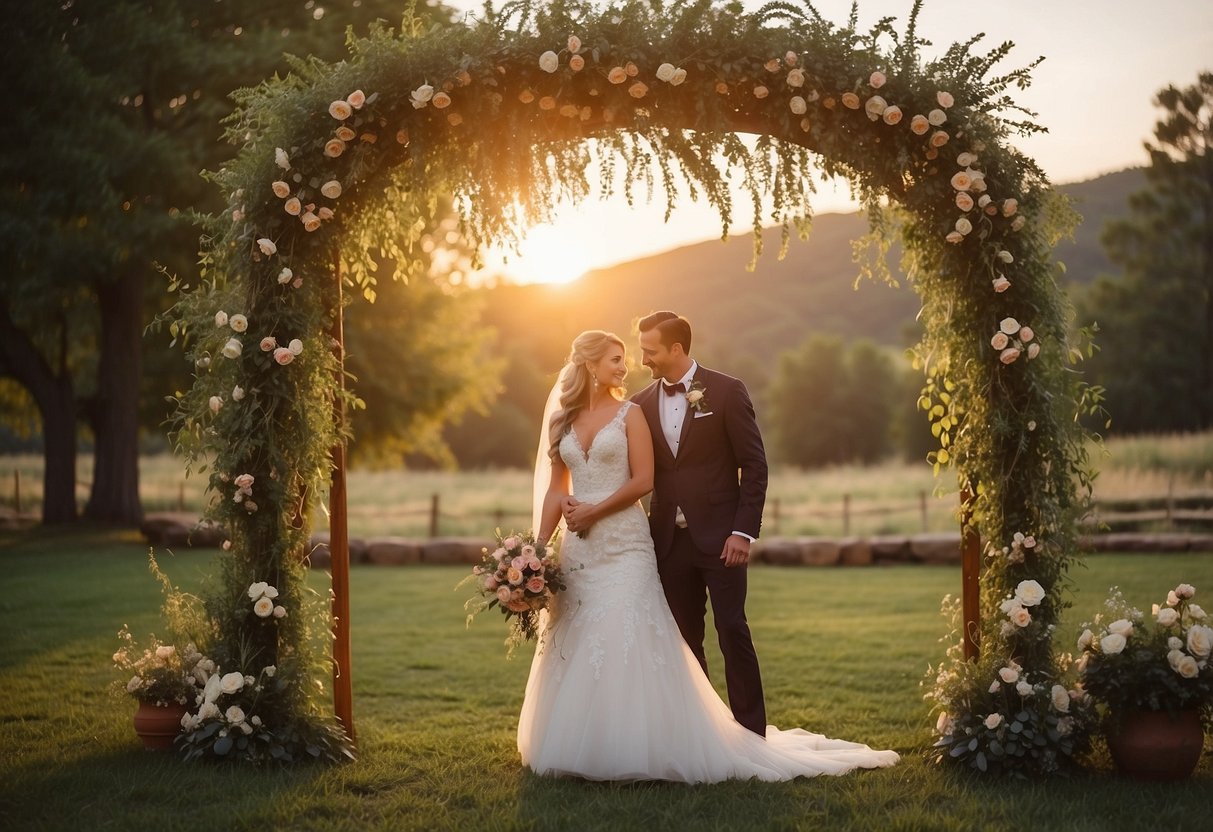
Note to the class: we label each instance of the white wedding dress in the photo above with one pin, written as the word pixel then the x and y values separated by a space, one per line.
pixel 614 692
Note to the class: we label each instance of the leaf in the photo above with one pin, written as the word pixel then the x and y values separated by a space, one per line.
pixel 222 746
pixel 981 760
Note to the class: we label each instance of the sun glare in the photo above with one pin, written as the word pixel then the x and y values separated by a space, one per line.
pixel 548 255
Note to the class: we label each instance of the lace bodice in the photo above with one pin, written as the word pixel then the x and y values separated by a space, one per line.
pixel 598 471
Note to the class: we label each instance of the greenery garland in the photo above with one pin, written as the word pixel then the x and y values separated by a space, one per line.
pixel 499 113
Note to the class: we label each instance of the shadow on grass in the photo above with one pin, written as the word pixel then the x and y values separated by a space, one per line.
pixel 560 803
pixel 149 787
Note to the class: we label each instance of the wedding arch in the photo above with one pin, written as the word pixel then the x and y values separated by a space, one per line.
pixel 337 160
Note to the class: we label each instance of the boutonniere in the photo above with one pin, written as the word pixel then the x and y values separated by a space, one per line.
pixel 697 397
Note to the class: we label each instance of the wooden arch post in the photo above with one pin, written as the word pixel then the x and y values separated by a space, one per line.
pixel 339 536
pixel 970 570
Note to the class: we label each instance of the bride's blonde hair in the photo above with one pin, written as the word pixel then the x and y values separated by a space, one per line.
pixel 588 347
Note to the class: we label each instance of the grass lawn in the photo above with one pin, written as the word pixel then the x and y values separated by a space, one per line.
pixel 843 652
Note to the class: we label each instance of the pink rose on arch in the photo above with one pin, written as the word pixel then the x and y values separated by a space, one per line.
pixel 334 148
pixel 340 110
pixel 939 138
pixel 268 343
pixel 1033 351
pixel 1000 341
pixel 954 237
pixel 356 99
pixel 1001 284
pixel 964 202
pixel 919 125
pixel 1026 334
pixel 876 80
pixel 962 181
pixel 850 100
pixel 1008 356
pixel 892 114
pixel 795 78
pixel 345 134
pixel 945 99
pixel 283 356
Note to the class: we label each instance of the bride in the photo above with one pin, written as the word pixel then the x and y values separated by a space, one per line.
pixel 614 692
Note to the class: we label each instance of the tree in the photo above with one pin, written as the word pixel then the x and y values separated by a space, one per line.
pixel 806 409
pixel 124 104
pixel 869 396
pixel 1156 320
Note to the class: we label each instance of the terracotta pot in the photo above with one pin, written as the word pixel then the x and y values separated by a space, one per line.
pixel 1156 745
pixel 158 725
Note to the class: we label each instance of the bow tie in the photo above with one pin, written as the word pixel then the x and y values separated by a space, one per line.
pixel 671 389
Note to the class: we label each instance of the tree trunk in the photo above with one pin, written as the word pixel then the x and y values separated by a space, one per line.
pixel 55 398
pixel 114 412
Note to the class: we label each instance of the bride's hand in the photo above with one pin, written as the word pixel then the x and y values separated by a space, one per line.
pixel 579 516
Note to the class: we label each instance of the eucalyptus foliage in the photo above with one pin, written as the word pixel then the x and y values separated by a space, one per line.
pixel 501 113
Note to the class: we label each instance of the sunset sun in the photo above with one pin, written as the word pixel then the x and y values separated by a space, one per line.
pixel 548 254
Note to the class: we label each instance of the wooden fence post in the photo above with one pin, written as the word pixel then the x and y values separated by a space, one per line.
pixel 434 516
pixel 17 491
pixel 922 509
pixel 846 515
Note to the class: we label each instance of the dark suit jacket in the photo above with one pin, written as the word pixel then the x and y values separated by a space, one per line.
pixel 720 475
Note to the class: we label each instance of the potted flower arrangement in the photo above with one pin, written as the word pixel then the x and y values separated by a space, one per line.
pixel 164 681
pixel 1153 677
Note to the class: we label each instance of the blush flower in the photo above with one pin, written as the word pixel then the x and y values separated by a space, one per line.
pixel 919 125
pixel 340 110
pixel 334 148
pixel 331 189
pixel 281 189
pixel 1001 284
pixel 283 356
pixel 267 246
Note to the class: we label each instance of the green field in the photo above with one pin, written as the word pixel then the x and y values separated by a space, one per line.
pixel 843 652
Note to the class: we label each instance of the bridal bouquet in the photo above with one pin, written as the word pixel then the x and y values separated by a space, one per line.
pixel 518 578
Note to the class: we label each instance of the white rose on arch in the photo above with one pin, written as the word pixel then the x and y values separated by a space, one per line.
pixel 665 72
pixel 1029 593
pixel 548 61
pixel 421 96
pixel 232 348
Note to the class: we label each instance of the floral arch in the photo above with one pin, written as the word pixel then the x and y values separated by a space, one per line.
pixel 337 159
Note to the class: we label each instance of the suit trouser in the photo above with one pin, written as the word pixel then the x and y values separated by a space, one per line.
pixel 690 577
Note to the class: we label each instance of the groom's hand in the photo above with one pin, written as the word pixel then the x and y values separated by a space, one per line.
pixel 736 551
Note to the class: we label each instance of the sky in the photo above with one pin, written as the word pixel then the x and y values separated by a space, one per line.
pixel 1104 62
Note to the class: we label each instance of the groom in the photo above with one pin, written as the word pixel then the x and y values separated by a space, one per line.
pixel 709 486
